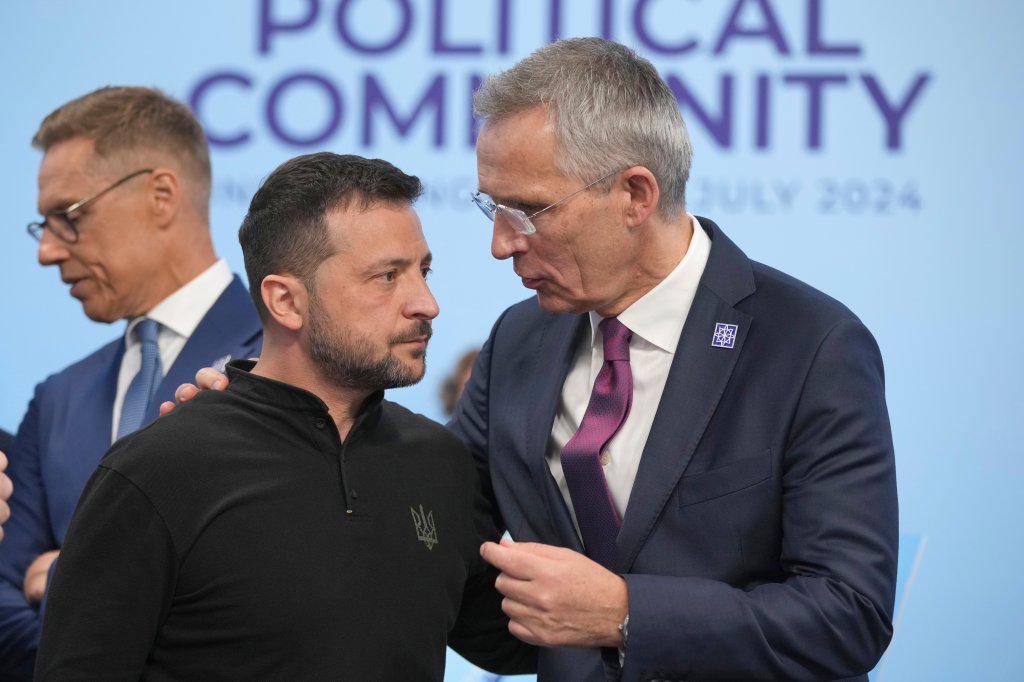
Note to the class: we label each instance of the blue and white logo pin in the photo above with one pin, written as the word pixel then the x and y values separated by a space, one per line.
pixel 725 335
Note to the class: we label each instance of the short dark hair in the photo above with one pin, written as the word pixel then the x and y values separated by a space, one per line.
pixel 129 119
pixel 285 230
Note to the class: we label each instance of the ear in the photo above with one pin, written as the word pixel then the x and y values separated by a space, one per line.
pixel 166 195
pixel 286 300
pixel 644 193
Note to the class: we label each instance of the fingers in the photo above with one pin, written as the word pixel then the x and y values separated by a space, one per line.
pixel 185 392
pixel 6 488
pixel 522 560
pixel 3 468
pixel 522 632
pixel 525 572
pixel 504 557
pixel 5 513
pixel 208 377
pixel 182 394
pixel 37 575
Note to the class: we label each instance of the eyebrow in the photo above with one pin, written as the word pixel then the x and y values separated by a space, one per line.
pixel 59 205
pixel 399 262
pixel 514 201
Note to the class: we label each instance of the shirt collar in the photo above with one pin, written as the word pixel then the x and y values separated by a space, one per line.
pixel 658 316
pixel 182 311
pixel 283 395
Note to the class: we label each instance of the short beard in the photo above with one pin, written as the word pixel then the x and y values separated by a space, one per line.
pixel 348 360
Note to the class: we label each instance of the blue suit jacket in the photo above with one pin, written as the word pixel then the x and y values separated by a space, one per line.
pixel 760 537
pixel 64 435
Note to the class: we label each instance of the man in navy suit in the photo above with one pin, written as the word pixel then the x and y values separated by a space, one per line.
pixel 124 190
pixel 751 484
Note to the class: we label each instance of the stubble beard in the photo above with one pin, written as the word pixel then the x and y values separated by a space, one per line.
pixel 349 361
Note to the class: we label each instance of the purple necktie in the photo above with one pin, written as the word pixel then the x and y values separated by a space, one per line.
pixel 581 457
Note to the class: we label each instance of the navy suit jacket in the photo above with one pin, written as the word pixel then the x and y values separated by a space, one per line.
pixel 63 436
pixel 760 537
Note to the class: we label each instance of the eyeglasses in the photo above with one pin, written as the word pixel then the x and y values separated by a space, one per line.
pixel 59 221
pixel 522 222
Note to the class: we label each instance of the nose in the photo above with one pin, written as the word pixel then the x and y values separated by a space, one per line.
pixel 52 249
pixel 506 241
pixel 421 304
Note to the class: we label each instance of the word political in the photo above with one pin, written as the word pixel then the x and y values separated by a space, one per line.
pixel 307 107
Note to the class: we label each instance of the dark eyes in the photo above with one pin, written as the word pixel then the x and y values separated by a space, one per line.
pixel 391 275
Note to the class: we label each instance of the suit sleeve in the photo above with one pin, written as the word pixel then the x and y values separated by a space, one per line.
pixel 26 536
pixel 112 586
pixel 480 634
pixel 470 423
pixel 830 614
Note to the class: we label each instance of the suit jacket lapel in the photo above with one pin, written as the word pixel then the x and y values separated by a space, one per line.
pixel 696 381
pixel 93 410
pixel 555 350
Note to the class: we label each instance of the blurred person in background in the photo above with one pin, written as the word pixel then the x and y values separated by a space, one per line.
pixel 451 387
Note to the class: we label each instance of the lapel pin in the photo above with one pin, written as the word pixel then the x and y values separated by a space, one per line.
pixel 725 335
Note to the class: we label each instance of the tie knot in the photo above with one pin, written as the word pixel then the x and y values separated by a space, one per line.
pixel 616 339
pixel 146 331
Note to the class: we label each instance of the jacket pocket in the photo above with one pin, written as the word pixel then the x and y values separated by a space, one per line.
pixel 725 480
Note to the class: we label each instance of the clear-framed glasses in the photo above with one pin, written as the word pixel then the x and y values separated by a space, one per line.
pixel 522 222
pixel 59 221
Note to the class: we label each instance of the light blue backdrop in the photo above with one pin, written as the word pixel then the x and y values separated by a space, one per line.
pixel 871 148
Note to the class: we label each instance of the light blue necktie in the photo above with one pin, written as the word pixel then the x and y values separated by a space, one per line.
pixel 140 391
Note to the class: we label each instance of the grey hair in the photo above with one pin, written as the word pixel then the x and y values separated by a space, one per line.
pixel 609 107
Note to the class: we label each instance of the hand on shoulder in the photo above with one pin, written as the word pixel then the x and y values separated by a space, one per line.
pixel 206 378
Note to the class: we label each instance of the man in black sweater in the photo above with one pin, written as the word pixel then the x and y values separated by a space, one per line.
pixel 297 525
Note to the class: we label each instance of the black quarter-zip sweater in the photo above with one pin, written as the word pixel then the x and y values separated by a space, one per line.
pixel 240 539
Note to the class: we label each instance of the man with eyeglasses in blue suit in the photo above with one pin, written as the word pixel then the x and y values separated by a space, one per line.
pixel 124 190
pixel 691 450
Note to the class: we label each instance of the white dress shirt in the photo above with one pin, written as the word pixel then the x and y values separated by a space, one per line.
pixel 179 314
pixel 656 320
